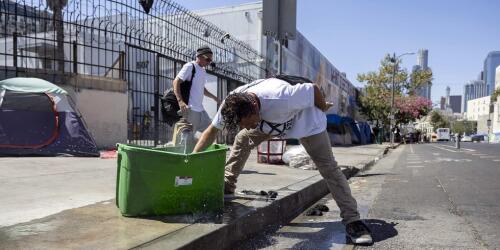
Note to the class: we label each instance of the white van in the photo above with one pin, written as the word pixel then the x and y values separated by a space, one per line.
pixel 443 134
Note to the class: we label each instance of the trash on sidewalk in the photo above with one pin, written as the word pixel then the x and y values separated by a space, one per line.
pixel 269 194
pixel 317 210
pixel 297 157
pixel 108 154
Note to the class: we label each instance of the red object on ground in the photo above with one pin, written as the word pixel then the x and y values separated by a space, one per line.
pixel 109 154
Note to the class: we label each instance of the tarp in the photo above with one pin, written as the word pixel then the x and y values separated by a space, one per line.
pixel 365 132
pixel 30 85
pixel 333 119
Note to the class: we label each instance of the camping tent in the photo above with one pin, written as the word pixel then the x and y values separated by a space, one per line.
pixel 37 118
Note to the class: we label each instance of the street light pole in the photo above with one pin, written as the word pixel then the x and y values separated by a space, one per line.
pixel 392 99
pixel 395 60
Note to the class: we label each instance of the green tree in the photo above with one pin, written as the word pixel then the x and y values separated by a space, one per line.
pixel 495 95
pixel 376 101
pixel 438 120
pixel 464 127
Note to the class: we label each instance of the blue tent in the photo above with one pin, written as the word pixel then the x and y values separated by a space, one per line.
pixel 37 118
pixel 360 132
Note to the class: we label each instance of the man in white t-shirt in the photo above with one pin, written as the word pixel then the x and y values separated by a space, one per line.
pixel 273 107
pixel 193 108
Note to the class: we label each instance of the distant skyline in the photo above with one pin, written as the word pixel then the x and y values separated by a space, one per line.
pixel 355 35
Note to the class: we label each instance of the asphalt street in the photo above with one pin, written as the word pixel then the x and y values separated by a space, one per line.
pixel 422 196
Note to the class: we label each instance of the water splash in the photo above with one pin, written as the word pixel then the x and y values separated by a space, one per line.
pixel 185 141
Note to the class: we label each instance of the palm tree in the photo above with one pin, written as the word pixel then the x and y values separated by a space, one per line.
pixel 57 7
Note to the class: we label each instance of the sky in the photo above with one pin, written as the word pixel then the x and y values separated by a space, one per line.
pixel 356 34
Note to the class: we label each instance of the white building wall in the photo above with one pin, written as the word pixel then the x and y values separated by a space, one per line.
pixel 477 108
pixel 495 120
pixel 105 114
pixel 497 78
pixel 242 21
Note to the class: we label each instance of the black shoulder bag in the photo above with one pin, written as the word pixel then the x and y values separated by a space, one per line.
pixel 169 104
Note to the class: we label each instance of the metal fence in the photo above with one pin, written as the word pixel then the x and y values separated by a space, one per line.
pixel 58 40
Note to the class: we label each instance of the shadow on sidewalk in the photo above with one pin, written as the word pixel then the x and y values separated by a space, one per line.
pixel 370 175
pixel 255 172
pixel 320 235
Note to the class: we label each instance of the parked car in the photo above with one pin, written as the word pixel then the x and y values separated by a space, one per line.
pixel 466 138
pixel 477 138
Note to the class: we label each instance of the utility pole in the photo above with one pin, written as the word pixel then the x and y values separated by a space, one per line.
pixel 394 60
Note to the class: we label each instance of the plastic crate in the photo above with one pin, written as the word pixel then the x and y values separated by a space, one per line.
pixel 159 181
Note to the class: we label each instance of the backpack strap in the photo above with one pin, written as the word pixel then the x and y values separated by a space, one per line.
pixel 193 72
pixel 293 79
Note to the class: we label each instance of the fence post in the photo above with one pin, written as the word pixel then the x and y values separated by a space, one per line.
pixel 75 57
pixel 157 99
pixel 14 50
pixel 122 65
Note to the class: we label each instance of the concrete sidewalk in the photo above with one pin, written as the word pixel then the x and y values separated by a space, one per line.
pixel 56 203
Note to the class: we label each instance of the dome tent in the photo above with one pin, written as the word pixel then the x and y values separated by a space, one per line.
pixel 37 118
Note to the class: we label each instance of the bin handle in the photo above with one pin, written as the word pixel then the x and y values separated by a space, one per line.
pixel 118 161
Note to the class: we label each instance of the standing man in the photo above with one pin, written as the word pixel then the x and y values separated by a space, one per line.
pixel 193 109
pixel 273 107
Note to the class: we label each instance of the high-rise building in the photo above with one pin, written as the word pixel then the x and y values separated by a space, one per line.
pixel 473 90
pixel 422 64
pixel 497 78
pixel 422 58
pixel 455 103
pixel 447 96
pixel 491 62
pixel 442 103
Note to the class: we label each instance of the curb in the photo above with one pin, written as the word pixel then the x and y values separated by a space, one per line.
pixel 293 200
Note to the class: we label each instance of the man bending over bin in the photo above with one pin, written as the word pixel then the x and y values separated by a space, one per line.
pixel 273 107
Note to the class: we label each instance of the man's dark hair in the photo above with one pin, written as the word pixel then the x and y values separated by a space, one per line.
pixel 236 106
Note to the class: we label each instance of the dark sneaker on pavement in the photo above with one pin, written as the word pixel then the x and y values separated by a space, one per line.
pixel 359 233
pixel 228 190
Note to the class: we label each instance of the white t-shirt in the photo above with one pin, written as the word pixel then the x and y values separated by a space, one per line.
pixel 286 111
pixel 198 87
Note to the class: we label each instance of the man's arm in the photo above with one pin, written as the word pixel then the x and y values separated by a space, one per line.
pixel 206 139
pixel 210 95
pixel 177 91
pixel 319 99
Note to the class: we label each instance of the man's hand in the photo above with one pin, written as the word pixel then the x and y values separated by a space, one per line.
pixel 183 107
pixel 206 139
pixel 328 105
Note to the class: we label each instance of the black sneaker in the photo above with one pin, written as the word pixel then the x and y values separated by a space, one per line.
pixel 228 190
pixel 359 233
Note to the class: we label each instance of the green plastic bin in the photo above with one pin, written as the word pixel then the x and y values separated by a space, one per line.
pixel 159 181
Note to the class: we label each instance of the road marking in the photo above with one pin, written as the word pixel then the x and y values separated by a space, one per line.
pixel 479 154
pixel 446 149
pixel 497 160
pixel 467 149
pixel 487 156
pixel 414 162
pixel 416 166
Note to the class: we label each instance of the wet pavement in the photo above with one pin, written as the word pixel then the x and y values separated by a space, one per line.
pixel 98 224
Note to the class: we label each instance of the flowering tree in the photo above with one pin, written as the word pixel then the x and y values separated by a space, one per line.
pixel 411 108
pixel 375 103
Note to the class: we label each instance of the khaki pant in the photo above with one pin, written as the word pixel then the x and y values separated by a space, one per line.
pixel 318 147
pixel 199 120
